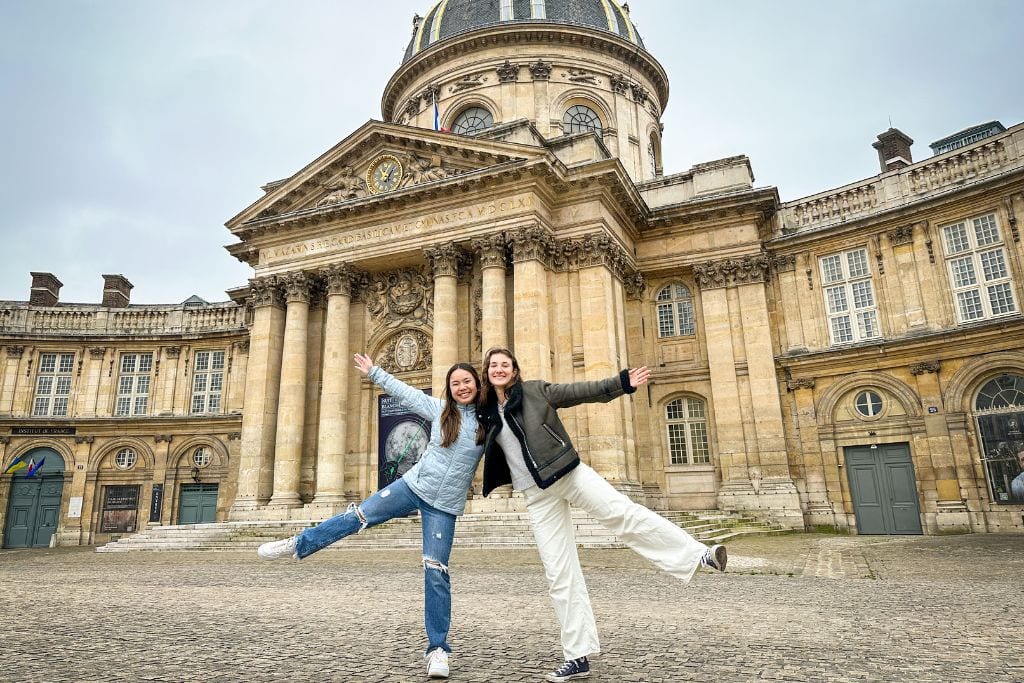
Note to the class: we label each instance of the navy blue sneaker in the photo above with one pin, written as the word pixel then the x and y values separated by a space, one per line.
pixel 573 668
pixel 715 557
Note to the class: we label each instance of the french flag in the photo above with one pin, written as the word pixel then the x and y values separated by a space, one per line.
pixel 437 117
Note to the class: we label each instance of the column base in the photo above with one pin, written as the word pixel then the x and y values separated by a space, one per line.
pixel 290 500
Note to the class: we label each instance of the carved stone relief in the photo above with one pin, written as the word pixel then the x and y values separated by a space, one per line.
pixel 727 272
pixel 400 296
pixel 468 82
pixel 405 351
pixel 344 187
pixel 421 170
pixel 540 70
pixel 508 72
pixel 580 76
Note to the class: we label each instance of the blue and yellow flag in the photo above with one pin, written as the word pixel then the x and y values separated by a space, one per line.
pixel 16 464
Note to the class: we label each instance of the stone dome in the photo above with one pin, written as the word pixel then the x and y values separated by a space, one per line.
pixel 448 18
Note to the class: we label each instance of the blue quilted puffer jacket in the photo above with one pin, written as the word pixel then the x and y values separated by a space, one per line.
pixel 442 476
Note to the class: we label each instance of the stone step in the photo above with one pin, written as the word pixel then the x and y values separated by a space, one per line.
pixel 478 530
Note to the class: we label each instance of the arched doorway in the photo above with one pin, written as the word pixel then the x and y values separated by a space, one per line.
pixel 34 508
pixel 999 410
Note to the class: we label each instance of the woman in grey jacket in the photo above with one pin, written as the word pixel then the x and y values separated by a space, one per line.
pixel 436 486
pixel 527 446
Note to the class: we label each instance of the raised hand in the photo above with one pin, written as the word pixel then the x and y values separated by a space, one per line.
pixel 363 363
pixel 638 376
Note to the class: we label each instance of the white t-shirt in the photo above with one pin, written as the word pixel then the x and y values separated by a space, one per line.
pixel 521 478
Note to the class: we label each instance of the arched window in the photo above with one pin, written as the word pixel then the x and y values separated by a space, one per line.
pixel 687 424
pixel 472 121
pixel 652 158
pixel 999 410
pixel 580 119
pixel 675 311
pixel 125 459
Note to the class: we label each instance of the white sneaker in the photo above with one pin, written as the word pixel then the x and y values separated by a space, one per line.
pixel 437 663
pixel 275 550
pixel 715 557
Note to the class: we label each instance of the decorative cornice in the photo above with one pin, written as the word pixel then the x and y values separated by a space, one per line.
pixel 802 383
pixel 928 366
pixel 508 72
pixel 904 235
pixel 492 250
pixel 731 272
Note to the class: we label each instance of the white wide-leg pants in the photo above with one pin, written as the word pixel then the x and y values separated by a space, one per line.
pixel 648 533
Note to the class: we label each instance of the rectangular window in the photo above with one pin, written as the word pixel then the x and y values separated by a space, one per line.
pixel 849 297
pixel 537 9
pixel 133 384
pixel 978 272
pixel 507 13
pixel 53 384
pixel 207 381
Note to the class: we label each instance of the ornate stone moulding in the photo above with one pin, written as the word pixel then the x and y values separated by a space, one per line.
pixel 732 271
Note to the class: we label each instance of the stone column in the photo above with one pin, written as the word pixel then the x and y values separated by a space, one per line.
pixel 330 457
pixel 262 390
pixel 784 267
pixel 160 468
pixel 10 378
pixel 532 249
pixel 447 260
pixel 291 408
pixel 494 319
pixel 92 380
pixel 71 532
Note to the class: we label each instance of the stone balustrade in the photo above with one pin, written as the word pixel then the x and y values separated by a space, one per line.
pixel 980 161
pixel 87 320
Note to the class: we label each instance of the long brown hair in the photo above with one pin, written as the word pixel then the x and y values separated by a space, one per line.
pixel 451 418
pixel 486 388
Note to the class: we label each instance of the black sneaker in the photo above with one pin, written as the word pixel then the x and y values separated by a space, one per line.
pixel 573 668
pixel 715 557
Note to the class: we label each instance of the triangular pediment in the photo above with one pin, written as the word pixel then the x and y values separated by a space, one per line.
pixel 403 158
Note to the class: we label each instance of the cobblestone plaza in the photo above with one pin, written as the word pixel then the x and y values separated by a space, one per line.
pixel 791 608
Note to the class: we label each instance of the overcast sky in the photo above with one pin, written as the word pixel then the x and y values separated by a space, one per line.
pixel 132 130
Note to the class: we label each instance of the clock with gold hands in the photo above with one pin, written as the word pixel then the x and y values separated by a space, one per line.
pixel 384 174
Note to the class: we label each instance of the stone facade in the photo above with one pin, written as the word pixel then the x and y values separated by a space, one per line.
pixel 789 342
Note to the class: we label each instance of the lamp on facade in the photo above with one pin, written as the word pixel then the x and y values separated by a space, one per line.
pixel 195 474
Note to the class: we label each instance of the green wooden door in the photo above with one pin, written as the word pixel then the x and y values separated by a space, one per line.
pixel 33 509
pixel 884 489
pixel 33 512
pixel 198 504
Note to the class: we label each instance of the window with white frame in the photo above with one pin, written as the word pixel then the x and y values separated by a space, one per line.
pixel 207 381
pixel 687 424
pixel 125 459
pixel 675 311
pixel 53 384
pixel 537 9
pixel 849 297
pixel 507 12
pixel 133 384
pixel 472 121
pixel 201 457
pixel 580 119
pixel 978 272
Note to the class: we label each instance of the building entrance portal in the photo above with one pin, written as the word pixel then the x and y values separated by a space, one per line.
pixel 884 489
pixel 34 508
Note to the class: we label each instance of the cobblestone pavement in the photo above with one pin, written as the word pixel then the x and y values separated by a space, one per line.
pixel 791 608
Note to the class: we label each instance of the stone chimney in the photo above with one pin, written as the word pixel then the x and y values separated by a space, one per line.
pixel 893 150
pixel 116 291
pixel 45 289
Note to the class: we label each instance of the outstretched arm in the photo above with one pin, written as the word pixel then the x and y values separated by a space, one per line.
pixel 600 391
pixel 409 397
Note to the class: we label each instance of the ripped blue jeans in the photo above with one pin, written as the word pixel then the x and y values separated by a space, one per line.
pixel 397 500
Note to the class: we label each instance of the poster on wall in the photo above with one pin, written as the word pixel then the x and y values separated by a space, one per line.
pixel 1002 440
pixel 401 439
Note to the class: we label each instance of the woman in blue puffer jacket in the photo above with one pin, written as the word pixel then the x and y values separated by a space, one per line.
pixel 436 486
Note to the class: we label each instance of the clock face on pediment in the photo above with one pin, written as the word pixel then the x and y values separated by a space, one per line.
pixel 384 174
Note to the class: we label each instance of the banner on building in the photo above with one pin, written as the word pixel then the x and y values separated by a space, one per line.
pixel 401 439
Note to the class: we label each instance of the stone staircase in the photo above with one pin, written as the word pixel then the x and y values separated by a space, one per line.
pixel 480 530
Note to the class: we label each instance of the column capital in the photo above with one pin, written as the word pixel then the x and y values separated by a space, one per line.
pixel 14 351
pixel 492 250
pixel 731 271
pixel 802 383
pixel 4 440
pixel 298 287
pixel 532 244
pixel 594 249
pixel 265 291
pixel 84 439
pixel 341 278
pixel 97 351
pixel 163 438
pixel 448 260
pixel 782 263
pixel 634 283
pixel 172 351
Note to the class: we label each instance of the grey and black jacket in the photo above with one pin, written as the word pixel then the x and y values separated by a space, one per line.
pixel 531 415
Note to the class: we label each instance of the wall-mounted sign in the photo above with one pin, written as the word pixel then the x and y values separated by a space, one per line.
pixel 43 431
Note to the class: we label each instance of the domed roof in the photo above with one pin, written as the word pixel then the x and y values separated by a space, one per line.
pixel 449 18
